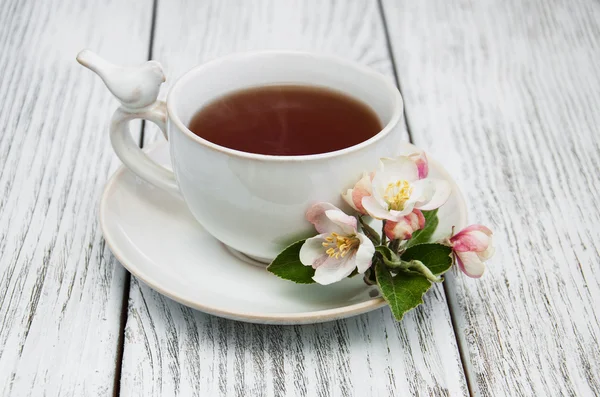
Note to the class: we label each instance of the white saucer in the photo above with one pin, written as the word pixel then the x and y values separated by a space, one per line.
pixel 156 238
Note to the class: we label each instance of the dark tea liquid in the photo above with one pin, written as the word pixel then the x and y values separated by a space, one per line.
pixel 286 120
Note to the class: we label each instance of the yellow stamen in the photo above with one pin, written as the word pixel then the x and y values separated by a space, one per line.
pixel 397 194
pixel 339 246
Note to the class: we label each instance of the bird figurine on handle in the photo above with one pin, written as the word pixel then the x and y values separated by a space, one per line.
pixel 135 87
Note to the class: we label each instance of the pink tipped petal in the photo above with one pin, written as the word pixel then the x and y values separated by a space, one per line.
pixel 388 229
pixel 334 270
pixel 404 229
pixel 420 219
pixel 474 241
pixel 420 159
pixel 357 195
pixel 470 264
pixel 345 223
pixel 316 216
pixel 362 188
pixel 364 254
pixel 312 250
pixel 423 169
pixel 439 196
pixel 397 230
pixel 415 220
pixel 471 228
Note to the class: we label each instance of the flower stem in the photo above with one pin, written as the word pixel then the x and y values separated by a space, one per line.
pixel 369 231
pixel 424 270
pixel 414 265
pixel 369 276
pixel 394 246
pixel 383 236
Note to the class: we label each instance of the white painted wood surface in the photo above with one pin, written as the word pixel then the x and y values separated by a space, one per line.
pixel 61 290
pixel 507 95
pixel 515 82
pixel 172 350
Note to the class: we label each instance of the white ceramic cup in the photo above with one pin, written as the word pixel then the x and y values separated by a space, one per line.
pixel 253 203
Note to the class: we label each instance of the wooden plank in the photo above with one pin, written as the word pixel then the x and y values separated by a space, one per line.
pixel 173 350
pixel 61 290
pixel 507 94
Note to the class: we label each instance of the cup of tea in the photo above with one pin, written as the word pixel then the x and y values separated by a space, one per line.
pixel 257 138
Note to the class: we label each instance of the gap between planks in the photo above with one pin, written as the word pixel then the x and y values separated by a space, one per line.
pixel 127 281
pixel 388 42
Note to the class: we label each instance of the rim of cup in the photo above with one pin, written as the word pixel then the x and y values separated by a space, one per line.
pixel 191 74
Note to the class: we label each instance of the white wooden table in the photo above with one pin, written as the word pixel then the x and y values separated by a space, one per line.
pixel 505 93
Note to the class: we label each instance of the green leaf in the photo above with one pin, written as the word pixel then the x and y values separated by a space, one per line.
pixel 424 235
pixel 403 291
pixel 369 231
pixel 287 265
pixel 435 256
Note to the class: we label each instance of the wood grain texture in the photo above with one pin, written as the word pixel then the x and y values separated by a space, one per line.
pixel 506 94
pixel 61 290
pixel 173 350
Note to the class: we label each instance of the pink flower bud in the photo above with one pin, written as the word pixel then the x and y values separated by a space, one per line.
pixel 404 229
pixel 472 246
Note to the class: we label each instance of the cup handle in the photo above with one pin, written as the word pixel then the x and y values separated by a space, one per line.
pixel 130 153
pixel 137 89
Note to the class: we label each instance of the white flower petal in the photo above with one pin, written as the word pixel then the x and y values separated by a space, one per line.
pixel 470 264
pixel 334 270
pixel 374 208
pixel 312 250
pixel 364 254
pixel 379 185
pixel 431 193
pixel 488 253
pixel 345 223
pixel 400 168
pixel 482 239
pixel 316 215
pixel 392 171
pixel 423 191
pixel 397 216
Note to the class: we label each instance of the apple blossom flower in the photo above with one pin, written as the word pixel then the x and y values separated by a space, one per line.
pixel 404 229
pixel 338 249
pixel 472 246
pixel 397 190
